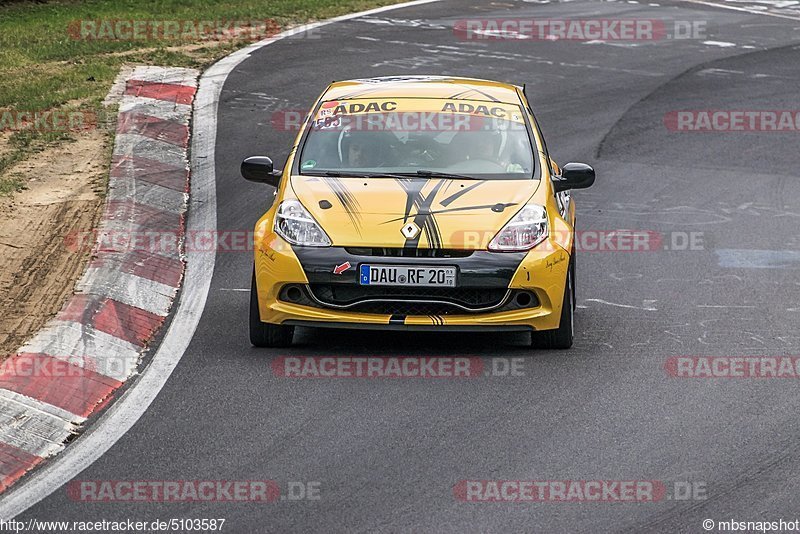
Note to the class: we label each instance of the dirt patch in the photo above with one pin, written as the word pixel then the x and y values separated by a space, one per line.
pixel 5 146
pixel 65 189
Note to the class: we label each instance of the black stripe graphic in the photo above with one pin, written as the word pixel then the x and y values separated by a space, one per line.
pixel 436 320
pixel 462 208
pixel 455 96
pixel 425 220
pixel 455 196
pixel 413 189
pixel 425 217
pixel 432 231
pixel 487 95
pixel 461 95
pixel 348 201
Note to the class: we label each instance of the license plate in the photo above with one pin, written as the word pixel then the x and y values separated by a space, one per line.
pixel 407 275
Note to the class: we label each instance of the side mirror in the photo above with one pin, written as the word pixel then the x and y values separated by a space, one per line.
pixel 259 169
pixel 574 176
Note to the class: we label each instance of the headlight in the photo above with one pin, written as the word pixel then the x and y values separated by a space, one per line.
pixel 527 229
pixel 296 225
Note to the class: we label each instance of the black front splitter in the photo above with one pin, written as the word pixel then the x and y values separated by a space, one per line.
pixel 410 327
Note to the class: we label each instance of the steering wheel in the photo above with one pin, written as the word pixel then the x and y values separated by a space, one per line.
pixel 421 152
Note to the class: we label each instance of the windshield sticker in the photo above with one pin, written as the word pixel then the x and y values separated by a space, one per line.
pixel 489 110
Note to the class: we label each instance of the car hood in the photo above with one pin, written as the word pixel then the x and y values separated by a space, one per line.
pixel 448 213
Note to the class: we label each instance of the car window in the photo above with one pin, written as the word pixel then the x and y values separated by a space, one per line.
pixel 479 139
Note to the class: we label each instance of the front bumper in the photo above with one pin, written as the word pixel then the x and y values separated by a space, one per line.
pixel 498 278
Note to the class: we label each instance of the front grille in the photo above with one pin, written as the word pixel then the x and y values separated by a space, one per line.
pixel 408 300
pixel 408 308
pixel 470 297
pixel 409 252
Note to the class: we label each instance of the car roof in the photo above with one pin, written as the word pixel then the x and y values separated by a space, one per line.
pixel 445 87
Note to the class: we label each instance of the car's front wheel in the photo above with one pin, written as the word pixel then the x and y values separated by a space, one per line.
pixel 266 334
pixel 563 336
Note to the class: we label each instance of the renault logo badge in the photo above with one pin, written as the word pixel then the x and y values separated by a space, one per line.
pixel 410 230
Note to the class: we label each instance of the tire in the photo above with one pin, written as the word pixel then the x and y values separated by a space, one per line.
pixel 562 337
pixel 265 334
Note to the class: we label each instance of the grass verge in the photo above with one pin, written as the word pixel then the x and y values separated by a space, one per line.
pixel 48 64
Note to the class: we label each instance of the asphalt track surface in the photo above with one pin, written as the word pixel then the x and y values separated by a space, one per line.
pixel 387 453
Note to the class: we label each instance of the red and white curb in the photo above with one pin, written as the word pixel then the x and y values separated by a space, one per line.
pixel 73 365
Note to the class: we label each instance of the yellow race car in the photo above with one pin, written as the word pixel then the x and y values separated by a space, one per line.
pixel 417 203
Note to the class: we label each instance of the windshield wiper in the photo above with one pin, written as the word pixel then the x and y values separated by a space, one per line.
pixel 334 174
pixel 350 174
pixel 422 173
pixel 436 174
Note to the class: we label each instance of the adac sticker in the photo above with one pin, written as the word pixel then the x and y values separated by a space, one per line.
pixel 480 109
pixel 360 107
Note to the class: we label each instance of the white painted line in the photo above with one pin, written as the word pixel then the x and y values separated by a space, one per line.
pixel 34 426
pixel 128 288
pixel 744 9
pixel 718 72
pixel 124 413
pixel 722 306
pixel 757 259
pixel 647 305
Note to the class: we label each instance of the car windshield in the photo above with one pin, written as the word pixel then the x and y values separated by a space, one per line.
pixel 412 136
